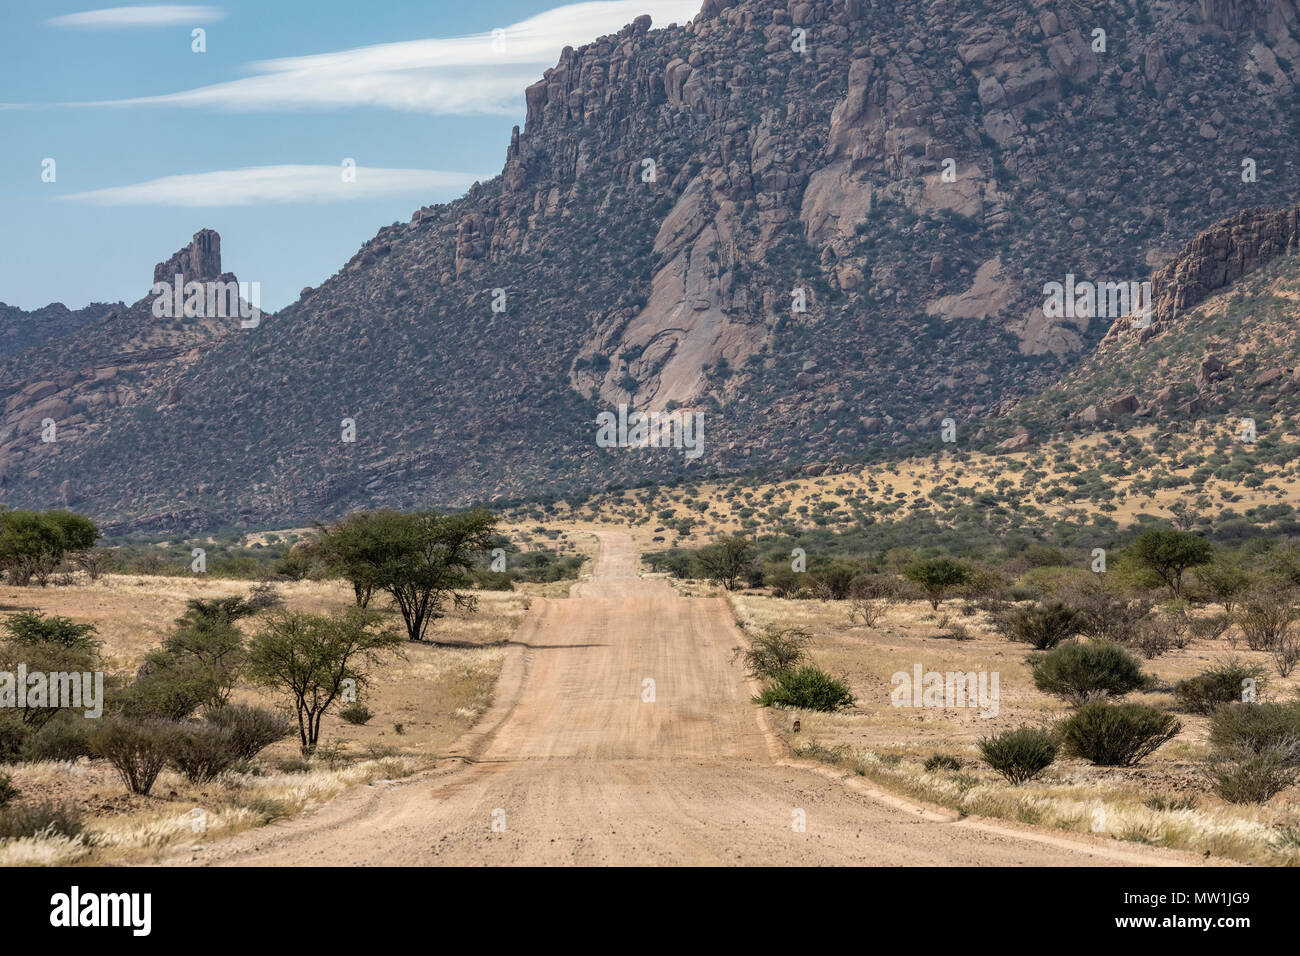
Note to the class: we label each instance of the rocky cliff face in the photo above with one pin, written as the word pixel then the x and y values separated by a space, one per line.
pixel 1221 344
pixel 826 225
pixel 123 357
pixel 199 261
pixel 1215 259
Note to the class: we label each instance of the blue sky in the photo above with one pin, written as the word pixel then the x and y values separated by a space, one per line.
pixel 152 141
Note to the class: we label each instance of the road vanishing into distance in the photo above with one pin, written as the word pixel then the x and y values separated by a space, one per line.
pixel 573 765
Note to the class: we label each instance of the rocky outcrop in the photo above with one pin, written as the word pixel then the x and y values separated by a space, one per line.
pixel 56 395
pixel 197 262
pixel 1215 259
pixel 822 223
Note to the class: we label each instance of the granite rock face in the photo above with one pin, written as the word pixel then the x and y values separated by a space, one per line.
pixel 199 261
pixel 691 214
pixel 58 395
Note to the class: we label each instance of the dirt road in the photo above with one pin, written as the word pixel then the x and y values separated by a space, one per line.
pixel 576 764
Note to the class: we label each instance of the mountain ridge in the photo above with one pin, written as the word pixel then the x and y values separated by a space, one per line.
pixel 775 175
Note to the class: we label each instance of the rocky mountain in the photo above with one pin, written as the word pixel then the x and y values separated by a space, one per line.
pixel 21 329
pixel 823 224
pixel 1222 342
pixel 122 358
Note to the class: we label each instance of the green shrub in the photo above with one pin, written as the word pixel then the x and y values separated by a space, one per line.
pixel 165 689
pixel 63 738
pixel 356 714
pixel 252 729
pixel 40 819
pixel 7 789
pixel 33 628
pixel 774 652
pixel 1243 775
pixel 1042 626
pixel 1019 755
pixel 1221 684
pixel 941 762
pixel 203 751
pixel 493 580
pixel 1116 735
pixel 13 736
pixel 1082 672
pixel 807 687
pixel 1255 727
pixel 138 750
pixel 937 577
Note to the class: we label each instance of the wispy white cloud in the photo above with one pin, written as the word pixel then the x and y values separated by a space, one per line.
pixel 117 18
pixel 278 184
pixel 478 74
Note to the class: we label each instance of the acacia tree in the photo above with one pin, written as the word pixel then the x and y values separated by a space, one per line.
pixel 47 645
pixel 32 543
pixel 428 560
pixel 936 577
pixel 727 562
pixel 314 657
pixel 354 549
pixel 1167 553
pixel 204 655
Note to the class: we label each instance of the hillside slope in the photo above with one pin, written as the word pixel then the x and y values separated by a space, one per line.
pixel 21 329
pixel 1223 342
pixel 670 193
pixel 112 359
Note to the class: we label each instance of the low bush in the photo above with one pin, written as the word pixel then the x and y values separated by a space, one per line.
pixel 138 750
pixel 13 736
pixel 807 687
pixel 1106 615
pixel 40 819
pixel 252 729
pixel 203 751
pixel 1263 617
pixel 63 738
pixel 866 611
pixel 1158 634
pixel 1116 735
pixel 7 789
pixel 264 596
pixel 942 762
pixel 356 714
pixel 774 651
pixel 1255 727
pixel 1079 673
pixel 493 580
pixel 1042 626
pixel 1210 627
pixel 165 689
pixel 1286 651
pixel 1243 775
pixel 1221 684
pixel 1019 755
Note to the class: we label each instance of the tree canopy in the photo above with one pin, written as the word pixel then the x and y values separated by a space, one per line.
pixel 32 543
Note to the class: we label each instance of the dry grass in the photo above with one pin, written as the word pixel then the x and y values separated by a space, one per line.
pixel 422 701
pixel 142 829
pixel 890 744
pixel 1123 810
pixel 716 507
